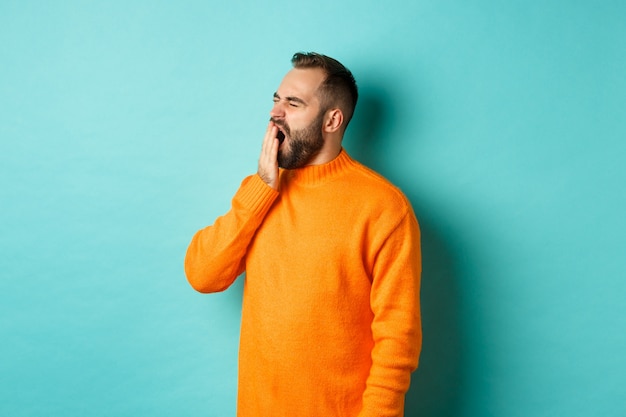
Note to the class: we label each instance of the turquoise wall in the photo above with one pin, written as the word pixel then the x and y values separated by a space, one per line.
pixel 126 126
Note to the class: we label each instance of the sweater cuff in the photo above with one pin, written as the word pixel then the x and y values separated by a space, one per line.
pixel 255 195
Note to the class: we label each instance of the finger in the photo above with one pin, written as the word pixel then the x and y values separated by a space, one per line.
pixel 268 160
pixel 270 146
pixel 270 133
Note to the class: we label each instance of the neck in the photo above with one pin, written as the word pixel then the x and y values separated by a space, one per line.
pixel 330 150
pixel 312 175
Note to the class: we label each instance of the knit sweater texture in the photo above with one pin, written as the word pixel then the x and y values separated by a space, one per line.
pixel 330 317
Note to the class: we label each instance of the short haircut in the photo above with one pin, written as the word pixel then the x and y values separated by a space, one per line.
pixel 338 89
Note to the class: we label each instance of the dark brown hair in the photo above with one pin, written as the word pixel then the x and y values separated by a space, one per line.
pixel 338 89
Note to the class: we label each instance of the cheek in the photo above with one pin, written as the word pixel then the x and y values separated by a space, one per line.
pixel 300 121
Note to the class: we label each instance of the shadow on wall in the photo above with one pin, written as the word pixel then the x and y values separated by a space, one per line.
pixel 436 386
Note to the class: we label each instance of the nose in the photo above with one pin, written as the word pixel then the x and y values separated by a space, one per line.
pixel 278 110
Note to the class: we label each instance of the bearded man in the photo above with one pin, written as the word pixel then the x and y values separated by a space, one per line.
pixel 330 317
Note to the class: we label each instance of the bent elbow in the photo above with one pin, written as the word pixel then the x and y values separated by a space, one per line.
pixel 205 280
pixel 197 277
pixel 198 285
pixel 208 272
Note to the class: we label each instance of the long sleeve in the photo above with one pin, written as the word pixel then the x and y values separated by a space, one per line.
pixel 396 327
pixel 216 255
pixel 330 321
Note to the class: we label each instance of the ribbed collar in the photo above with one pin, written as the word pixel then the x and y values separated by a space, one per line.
pixel 313 175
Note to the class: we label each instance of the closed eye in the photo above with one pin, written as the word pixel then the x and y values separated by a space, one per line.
pixel 293 101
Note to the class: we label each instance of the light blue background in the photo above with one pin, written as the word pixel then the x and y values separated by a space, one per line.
pixel 126 126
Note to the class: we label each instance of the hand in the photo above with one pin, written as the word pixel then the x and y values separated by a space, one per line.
pixel 268 163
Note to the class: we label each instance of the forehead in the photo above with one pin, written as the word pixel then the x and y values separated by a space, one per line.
pixel 302 83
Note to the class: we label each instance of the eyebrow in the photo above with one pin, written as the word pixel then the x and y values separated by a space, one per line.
pixel 294 99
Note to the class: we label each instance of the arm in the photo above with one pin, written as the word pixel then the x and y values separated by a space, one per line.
pixel 396 327
pixel 216 254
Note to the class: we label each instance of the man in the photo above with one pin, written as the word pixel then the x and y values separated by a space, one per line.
pixel 330 318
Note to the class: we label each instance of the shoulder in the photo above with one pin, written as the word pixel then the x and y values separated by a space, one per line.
pixel 369 191
pixel 375 186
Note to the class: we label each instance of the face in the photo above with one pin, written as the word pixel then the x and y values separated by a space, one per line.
pixel 298 114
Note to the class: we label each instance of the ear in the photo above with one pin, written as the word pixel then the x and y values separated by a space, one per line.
pixel 333 120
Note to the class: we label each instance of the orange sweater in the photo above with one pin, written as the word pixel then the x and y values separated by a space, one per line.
pixel 330 319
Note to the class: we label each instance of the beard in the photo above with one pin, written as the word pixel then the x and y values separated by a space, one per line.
pixel 302 145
